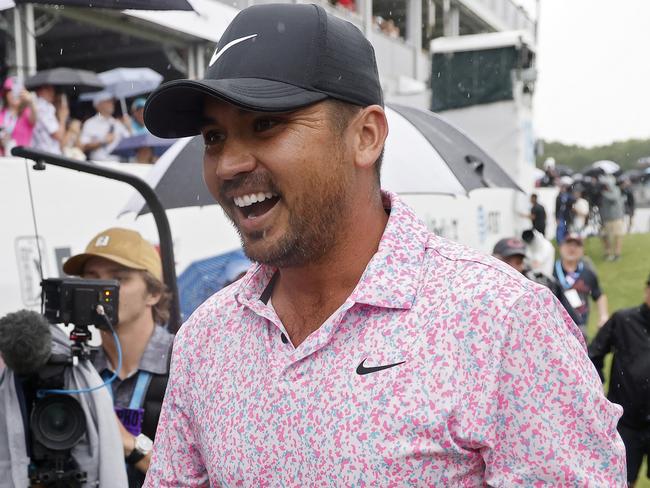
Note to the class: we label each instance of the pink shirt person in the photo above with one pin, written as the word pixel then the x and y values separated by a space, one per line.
pixel 17 118
pixel 444 367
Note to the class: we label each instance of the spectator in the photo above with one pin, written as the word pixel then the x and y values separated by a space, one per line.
pixel 550 175
pixel 539 252
pixel 580 215
pixel 17 118
pixel 50 119
pixel 563 208
pixel 144 155
pixel 512 251
pixel 123 255
pixel 537 215
pixel 71 141
pixel 102 132
pixel 137 116
pixel 612 213
pixel 579 281
pixel 629 203
pixel 626 334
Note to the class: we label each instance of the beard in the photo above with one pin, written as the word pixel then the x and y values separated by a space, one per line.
pixel 317 217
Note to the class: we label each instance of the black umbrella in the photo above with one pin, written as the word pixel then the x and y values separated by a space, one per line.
pixel 74 80
pixel 118 4
pixel 424 155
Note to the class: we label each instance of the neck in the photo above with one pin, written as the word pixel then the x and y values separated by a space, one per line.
pixel 307 295
pixel 570 264
pixel 134 337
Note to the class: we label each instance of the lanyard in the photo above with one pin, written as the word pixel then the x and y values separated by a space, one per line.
pixel 560 274
pixel 138 392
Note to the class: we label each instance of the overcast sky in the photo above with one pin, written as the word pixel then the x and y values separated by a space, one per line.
pixel 594 71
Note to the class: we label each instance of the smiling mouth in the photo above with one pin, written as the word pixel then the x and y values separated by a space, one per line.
pixel 254 205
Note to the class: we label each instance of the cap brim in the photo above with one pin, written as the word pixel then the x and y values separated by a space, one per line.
pixel 74 266
pixel 175 109
pixel 508 254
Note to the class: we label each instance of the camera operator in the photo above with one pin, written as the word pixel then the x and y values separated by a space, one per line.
pixel 123 255
pixel 47 434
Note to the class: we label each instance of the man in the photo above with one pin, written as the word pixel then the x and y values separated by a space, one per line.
pixel 102 132
pixel 50 120
pixel 363 349
pixel 579 281
pixel 563 209
pixel 539 251
pixel 137 116
pixel 628 201
pixel 537 215
pixel 123 255
pixel 612 214
pixel 627 334
pixel 580 214
pixel 515 253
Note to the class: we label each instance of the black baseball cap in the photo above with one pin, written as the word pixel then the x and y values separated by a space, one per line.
pixel 509 246
pixel 273 58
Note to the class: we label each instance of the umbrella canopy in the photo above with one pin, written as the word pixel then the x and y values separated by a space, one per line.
pixel 118 4
pixel 128 82
pixel 76 80
pixel 128 146
pixel 424 154
pixel 203 278
pixel 608 167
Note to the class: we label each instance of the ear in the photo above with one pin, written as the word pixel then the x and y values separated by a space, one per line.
pixel 152 298
pixel 370 134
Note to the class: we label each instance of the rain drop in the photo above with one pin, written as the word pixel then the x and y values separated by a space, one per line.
pixel 281 27
pixel 61 52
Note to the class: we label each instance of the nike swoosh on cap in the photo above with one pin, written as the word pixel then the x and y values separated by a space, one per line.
pixel 361 369
pixel 217 54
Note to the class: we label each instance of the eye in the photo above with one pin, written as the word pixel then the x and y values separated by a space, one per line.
pixel 212 137
pixel 263 124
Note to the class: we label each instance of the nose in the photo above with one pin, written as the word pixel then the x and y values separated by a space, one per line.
pixel 234 158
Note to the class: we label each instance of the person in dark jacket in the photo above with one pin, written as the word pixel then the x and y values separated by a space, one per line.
pixel 627 335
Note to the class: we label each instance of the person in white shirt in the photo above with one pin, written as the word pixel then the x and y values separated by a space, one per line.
pixel 102 132
pixel 539 252
pixel 50 120
pixel 580 214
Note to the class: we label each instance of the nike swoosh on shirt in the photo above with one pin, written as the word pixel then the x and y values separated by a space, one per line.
pixel 217 54
pixel 361 369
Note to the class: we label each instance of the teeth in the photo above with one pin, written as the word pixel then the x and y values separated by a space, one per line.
pixel 246 200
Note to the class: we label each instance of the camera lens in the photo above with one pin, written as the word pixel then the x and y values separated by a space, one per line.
pixel 58 422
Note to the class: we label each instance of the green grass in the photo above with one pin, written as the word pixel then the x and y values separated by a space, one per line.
pixel 623 282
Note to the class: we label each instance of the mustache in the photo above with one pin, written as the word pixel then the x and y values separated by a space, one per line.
pixel 249 182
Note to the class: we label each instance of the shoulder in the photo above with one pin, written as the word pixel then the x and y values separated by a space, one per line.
pixel 472 275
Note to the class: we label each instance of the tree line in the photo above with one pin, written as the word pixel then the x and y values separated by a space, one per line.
pixel 625 153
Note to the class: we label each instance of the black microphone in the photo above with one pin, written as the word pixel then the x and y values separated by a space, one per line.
pixel 25 341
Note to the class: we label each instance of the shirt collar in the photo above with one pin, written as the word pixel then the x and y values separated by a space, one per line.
pixel 155 357
pixel 391 278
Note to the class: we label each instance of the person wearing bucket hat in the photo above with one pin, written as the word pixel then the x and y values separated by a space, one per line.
pixel 361 349
pixel 626 335
pixel 123 255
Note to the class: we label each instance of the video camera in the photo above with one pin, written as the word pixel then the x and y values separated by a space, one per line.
pixel 57 421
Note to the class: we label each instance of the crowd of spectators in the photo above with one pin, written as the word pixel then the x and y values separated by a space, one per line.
pixel 42 120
